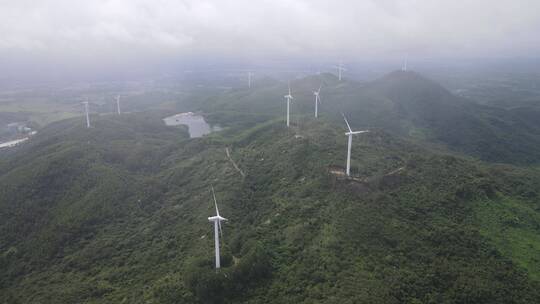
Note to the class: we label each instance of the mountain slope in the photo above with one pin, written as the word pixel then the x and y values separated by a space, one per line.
pixel 98 228
pixel 491 133
pixel 402 103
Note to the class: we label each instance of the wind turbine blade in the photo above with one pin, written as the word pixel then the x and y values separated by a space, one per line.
pixel 320 86
pixel 348 126
pixel 215 201
pixel 360 132
pixel 289 84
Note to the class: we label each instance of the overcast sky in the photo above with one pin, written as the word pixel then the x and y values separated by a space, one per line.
pixel 147 30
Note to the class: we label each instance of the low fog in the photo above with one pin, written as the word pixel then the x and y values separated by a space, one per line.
pixel 56 37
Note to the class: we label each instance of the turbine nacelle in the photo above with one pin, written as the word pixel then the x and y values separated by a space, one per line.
pixel 217 218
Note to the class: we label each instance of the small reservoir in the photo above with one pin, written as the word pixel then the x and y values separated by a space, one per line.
pixel 196 124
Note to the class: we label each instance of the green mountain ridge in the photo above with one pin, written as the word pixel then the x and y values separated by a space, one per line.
pixel 118 214
pixel 402 103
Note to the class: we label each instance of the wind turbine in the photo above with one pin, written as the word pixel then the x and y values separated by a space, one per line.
pixel 289 98
pixel 85 103
pixel 340 69
pixel 118 104
pixel 317 100
pixel 217 226
pixel 250 74
pixel 350 134
pixel 404 67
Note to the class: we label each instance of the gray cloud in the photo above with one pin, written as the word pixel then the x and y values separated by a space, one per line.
pixel 77 28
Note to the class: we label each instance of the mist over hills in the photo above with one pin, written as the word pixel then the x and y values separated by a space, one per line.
pixel 118 212
pixel 406 104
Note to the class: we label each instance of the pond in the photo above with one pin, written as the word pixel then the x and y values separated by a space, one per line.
pixel 196 124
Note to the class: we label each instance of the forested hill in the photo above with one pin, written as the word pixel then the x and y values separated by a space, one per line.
pixel 118 214
pixel 403 103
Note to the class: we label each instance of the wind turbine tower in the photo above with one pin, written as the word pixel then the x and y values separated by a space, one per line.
pixel 350 134
pixel 289 98
pixel 317 100
pixel 85 103
pixel 340 69
pixel 217 219
pixel 118 104
pixel 250 74
pixel 404 67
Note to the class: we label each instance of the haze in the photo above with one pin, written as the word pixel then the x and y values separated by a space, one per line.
pixel 100 34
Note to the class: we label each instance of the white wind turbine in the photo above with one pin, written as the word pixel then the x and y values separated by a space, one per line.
pixel 340 69
pixel 404 67
pixel 317 100
pixel 350 134
pixel 217 226
pixel 250 74
pixel 289 98
pixel 118 104
pixel 85 103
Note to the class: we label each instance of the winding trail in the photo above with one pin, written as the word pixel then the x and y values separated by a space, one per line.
pixel 233 163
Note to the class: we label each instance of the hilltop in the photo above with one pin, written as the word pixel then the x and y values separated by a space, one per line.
pixel 404 103
pixel 118 213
